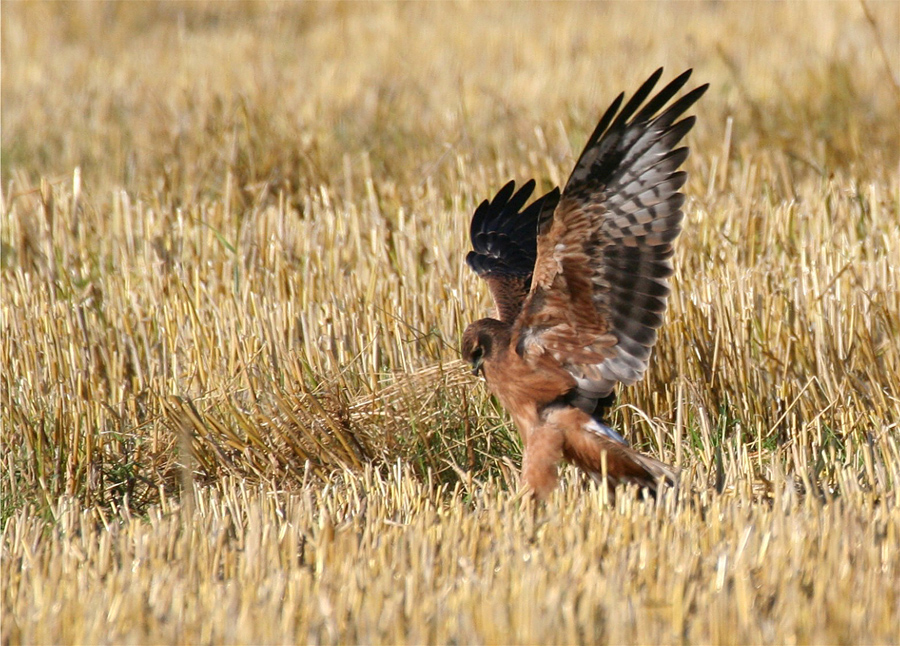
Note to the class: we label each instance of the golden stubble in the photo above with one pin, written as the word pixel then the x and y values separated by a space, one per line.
pixel 232 287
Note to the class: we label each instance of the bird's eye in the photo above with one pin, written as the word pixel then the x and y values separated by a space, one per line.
pixel 477 353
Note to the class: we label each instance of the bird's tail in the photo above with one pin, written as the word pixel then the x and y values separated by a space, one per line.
pixel 605 454
pixel 658 472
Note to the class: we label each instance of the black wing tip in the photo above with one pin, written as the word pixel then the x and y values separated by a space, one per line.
pixel 508 194
pixel 692 97
pixel 503 231
pixel 643 109
pixel 506 211
pixel 658 100
pixel 503 195
pixel 530 184
pixel 646 88
pixel 683 77
pixel 679 80
pixel 490 210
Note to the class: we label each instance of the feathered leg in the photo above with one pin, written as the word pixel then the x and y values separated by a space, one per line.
pixel 543 453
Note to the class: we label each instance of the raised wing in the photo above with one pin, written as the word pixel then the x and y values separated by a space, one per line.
pixel 504 243
pixel 600 281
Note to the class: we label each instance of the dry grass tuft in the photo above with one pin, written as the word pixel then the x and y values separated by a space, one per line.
pixel 232 277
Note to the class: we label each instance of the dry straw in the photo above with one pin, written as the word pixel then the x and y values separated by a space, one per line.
pixel 233 285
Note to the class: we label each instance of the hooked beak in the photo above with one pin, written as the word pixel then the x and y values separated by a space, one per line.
pixel 478 366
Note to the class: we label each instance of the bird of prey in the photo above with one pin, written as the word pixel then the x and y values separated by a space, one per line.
pixel 580 281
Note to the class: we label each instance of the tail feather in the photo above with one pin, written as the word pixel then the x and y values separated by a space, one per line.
pixel 659 471
pixel 597 454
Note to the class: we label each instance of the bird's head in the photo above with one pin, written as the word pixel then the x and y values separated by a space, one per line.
pixel 482 341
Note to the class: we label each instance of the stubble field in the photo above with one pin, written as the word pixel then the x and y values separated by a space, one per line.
pixel 232 287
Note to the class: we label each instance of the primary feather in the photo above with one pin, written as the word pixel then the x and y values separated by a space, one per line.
pixel 600 281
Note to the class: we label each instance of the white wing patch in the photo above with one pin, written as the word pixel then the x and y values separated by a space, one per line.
pixel 605 431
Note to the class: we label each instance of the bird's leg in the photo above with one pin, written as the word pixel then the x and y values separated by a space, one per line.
pixel 543 453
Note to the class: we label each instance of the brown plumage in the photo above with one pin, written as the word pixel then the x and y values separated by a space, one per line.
pixel 580 281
